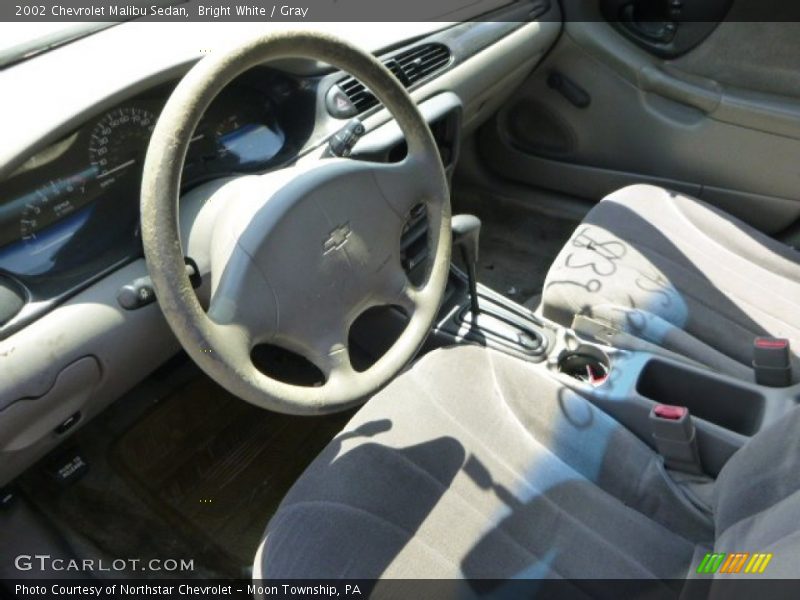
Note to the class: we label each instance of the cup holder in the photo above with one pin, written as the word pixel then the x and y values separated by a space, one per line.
pixel 586 364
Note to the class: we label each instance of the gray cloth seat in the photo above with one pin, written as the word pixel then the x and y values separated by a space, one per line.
pixel 674 271
pixel 475 464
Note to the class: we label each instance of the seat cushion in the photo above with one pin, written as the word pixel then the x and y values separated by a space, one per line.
pixel 474 464
pixel 677 272
pixel 757 499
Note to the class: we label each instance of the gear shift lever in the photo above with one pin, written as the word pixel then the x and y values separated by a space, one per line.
pixel 466 233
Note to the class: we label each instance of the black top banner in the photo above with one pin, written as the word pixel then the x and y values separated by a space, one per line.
pixel 266 10
pixel 177 11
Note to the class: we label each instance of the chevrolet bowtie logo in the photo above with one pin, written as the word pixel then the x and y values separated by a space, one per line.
pixel 337 238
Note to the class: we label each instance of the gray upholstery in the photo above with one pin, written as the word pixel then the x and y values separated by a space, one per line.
pixel 677 272
pixel 758 498
pixel 474 464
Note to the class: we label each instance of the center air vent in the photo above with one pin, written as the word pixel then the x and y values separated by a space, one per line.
pixel 420 61
pixel 409 66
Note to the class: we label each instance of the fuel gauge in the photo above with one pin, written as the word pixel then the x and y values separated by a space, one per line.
pixel 247 143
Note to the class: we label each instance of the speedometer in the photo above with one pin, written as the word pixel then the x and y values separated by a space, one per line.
pixel 119 141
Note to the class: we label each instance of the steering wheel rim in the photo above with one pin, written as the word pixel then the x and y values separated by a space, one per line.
pixel 222 346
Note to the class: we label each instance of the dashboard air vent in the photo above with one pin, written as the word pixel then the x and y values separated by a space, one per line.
pixel 421 61
pixel 410 66
pixel 358 94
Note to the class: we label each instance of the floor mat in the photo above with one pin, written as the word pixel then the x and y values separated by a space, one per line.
pixel 220 463
pixel 193 473
pixel 518 243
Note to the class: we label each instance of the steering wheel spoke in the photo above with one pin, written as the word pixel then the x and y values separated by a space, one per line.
pixel 334 362
pixel 241 297
pixel 392 287
pixel 404 185
pixel 408 299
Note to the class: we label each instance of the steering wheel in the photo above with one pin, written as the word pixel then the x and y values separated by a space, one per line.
pixel 294 264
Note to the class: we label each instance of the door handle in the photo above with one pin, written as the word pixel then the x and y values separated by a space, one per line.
pixel 655 80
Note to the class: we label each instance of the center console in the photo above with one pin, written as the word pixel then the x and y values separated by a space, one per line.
pixel 724 412
pixel 695 417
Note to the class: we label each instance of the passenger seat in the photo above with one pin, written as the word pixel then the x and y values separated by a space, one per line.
pixel 677 272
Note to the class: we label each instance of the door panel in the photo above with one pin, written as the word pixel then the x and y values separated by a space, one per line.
pixel 712 122
pixel 739 52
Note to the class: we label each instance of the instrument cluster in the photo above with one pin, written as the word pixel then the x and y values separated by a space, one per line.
pixel 73 208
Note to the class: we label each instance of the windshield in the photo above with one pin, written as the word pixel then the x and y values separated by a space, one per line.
pixel 19 41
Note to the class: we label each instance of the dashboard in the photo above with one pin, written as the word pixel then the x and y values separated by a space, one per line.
pixel 71 211
pixel 70 172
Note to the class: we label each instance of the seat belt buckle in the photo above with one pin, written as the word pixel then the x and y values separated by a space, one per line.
pixel 675 437
pixel 772 362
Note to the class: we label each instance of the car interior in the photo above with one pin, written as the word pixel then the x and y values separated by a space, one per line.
pixel 511 297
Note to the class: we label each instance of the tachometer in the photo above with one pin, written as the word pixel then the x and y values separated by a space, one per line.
pixel 119 142
pixel 51 203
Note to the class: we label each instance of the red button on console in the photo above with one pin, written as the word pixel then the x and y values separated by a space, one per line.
pixel 668 411
pixel 771 343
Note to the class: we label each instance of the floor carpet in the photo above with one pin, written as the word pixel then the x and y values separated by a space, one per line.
pixel 195 474
pixel 517 245
pixel 221 463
